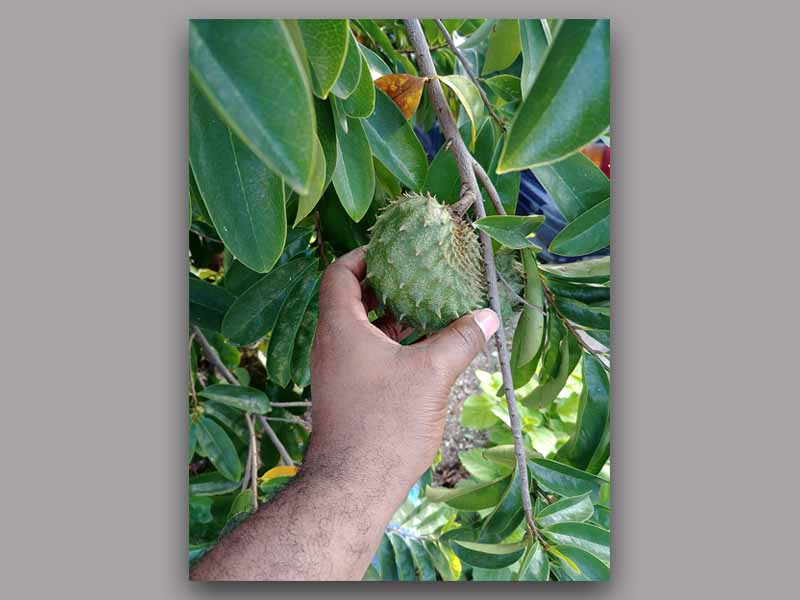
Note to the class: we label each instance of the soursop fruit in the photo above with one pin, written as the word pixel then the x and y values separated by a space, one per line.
pixel 425 264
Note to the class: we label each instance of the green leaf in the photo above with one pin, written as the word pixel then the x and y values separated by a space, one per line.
pixel 588 233
pixel 469 97
pixel 211 484
pixel 505 454
pixel 282 340
pixel 200 510
pixel 480 467
pixel 192 436
pixel 354 175
pixel 602 516
pixel 326 133
pixel 394 143
pixel 510 230
pixel 215 444
pixel 242 503
pixel 348 78
pixel 361 102
pixel 534 566
pixel 470 497
pixel 377 68
pixel 576 508
pixel 593 415
pixel 534 47
pixel 507 87
pixel 593 270
pixel 565 480
pixel 371 574
pixel 504 46
pixel 238 396
pixel 307 202
pixel 534 295
pixel 208 304
pixel 374 31
pixel 444 560
pixel 547 391
pixel 487 556
pixel 506 516
pixel 569 103
pixel 478 36
pixel 422 560
pixel 228 59
pixel 443 180
pixel 589 567
pixel 244 198
pixel 301 356
pixel 386 561
pixel 575 184
pixel 403 558
pixel 476 413
pixel 587 294
pixel 593 317
pixel 253 314
pixel 586 536
pixel 228 417
pixel 326 43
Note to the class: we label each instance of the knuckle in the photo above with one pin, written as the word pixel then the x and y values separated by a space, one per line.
pixel 469 336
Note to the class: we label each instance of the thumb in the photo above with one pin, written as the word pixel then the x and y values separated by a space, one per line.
pixel 457 344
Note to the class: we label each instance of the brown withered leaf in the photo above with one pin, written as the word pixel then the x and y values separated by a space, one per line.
pixel 404 90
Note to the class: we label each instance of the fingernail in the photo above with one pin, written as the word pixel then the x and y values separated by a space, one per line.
pixel 487 320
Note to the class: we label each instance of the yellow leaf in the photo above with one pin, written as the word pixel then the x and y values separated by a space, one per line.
pixel 278 472
pixel 404 90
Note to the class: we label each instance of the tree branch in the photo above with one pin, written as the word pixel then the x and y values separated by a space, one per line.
pixel 487 184
pixel 469 73
pixel 253 449
pixel 290 404
pixel 278 444
pixel 469 187
pixel 213 357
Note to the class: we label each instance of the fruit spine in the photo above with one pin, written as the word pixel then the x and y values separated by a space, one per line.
pixel 424 263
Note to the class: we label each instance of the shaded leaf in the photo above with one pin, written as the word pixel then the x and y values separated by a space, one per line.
pixel 326 42
pixel 215 444
pixel 403 558
pixel 348 78
pixel 211 484
pixel 386 561
pixel 593 270
pixel 442 179
pixel 504 46
pixel 208 304
pixel 579 565
pixel 593 317
pixel 586 536
pixel 238 396
pixel 534 566
pixel 510 230
pixel 307 202
pixel 506 516
pixel 487 556
pixel 361 102
pixel 354 175
pixel 588 233
pixel 576 508
pixel 534 46
pixel 470 496
pixel 565 480
pixel 301 356
pixel 575 184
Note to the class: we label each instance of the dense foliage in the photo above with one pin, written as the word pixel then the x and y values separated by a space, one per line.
pixel 300 131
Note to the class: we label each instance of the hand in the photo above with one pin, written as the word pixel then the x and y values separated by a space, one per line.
pixel 379 407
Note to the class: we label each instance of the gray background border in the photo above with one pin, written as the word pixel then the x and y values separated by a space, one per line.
pixel 93 147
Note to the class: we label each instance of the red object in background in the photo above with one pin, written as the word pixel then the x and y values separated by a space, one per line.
pixel 599 154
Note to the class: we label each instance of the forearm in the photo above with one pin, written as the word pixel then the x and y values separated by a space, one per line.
pixel 326 525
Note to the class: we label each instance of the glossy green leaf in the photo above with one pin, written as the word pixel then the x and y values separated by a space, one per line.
pixel 480 467
pixel 534 566
pixel 565 480
pixel 394 143
pixel 507 186
pixel 348 78
pixel 354 175
pixel 307 202
pixel 510 230
pixel 534 296
pixel 469 97
pixel 200 510
pixel 522 372
pixel 506 516
pixel 228 417
pixel 576 509
pixel 238 396
pixel 253 314
pixel 361 102
pixel 569 103
pixel 325 41
pixel 593 414
pixel 548 390
pixel 588 233
pixel 444 560
pixel 211 484
pixel 504 46
pixel 534 47
pixel 402 557
pixel 589 567
pixel 470 497
pixel 422 560
pixel 215 444
pixel 586 536
pixel 593 317
pixel 477 37
pixel 228 59
pixel 442 179
pixel 242 504
pixel 380 38
pixel 507 87
pixel 602 516
pixel 593 270
pixel 371 574
pixel 603 449
pixel 377 68
pixel 282 340
pixel 208 304
pixel 244 198
pixel 386 561
pixel 301 356
pixel 487 556
pixel 326 133
pixel 192 437
pixel 587 294
pixel 476 413
pixel 505 454
pixel 575 184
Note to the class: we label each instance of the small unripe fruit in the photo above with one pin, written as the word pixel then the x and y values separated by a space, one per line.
pixel 425 264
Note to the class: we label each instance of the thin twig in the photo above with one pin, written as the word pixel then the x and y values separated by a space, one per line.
pixel 213 357
pixel 469 186
pixel 191 375
pixel 487 184
pixel 320 241
pixel 468 70
pixel 516 296
pixel 253 459
pixel 292 419
pixel 290 404
pixel 278 444
pixel 576 332
pixel 246 476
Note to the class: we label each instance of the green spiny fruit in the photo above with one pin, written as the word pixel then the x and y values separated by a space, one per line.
pixel 424 264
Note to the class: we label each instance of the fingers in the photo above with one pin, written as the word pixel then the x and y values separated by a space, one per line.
pixel 456 345
pixel 340 290
pixel 392 329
